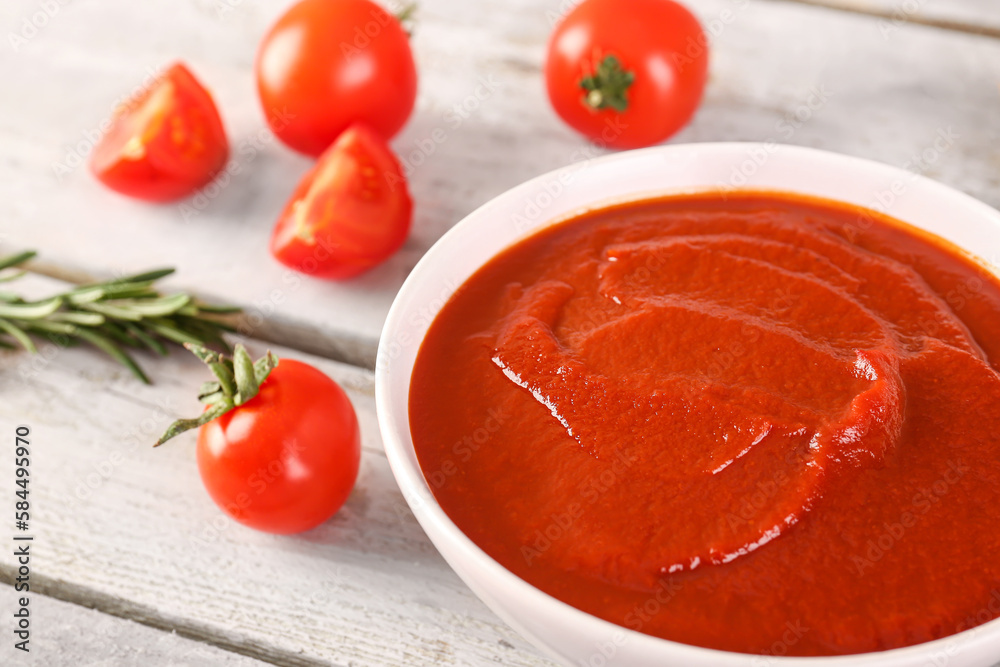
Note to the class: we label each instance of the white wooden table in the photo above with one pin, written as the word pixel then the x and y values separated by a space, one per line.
pixel 133 564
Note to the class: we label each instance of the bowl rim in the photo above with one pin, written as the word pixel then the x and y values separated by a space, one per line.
pixel 439 526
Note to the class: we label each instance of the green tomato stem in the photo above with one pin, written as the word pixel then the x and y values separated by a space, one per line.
pixel 607 87
pixel 237 381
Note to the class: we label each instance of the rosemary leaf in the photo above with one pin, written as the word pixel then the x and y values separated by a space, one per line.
pixel 85 295
pixel 160 307
pixel 113 351
pixel 35 310
pixel 147 340
pixel 83 319
pixel 216 309
pixel 111 311
pixel 116 332
pixel 91 294
pixel 148 276
pixel 19 335
pixel 11 277
pixel 48 326
pixel 15 260
pixel 209 334
pixel 170 332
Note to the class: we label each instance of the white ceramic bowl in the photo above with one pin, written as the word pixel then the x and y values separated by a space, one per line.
pixel 563 632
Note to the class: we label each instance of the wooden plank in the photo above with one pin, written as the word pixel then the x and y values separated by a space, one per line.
pixel 974 16
pixel 68 634
pixel 781 72
pixel 130 530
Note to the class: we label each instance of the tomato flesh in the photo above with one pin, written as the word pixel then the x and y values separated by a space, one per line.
pixel 286 460
pixel 349 213
pixel 165 143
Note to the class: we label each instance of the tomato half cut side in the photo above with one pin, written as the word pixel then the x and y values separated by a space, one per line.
pixel 165 143
pixel 350 212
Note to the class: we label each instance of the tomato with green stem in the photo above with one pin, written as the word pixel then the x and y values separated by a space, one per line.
pixel 165 143
pixel 278 444
pixel 327 64
pixel 627 73
pixel 351 211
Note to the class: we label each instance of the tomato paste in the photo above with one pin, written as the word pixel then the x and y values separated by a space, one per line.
pixel 758 423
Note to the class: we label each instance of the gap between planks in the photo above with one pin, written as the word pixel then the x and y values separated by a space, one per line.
pixel 149 617
pixel 916 19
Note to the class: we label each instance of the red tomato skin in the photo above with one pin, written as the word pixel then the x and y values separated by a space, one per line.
pixel 660 41
pixel 326 64
pixel 181 157
pixel 358 218
pixel 285 461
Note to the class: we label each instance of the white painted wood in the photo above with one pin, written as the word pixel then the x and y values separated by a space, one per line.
pixel 886 97
pixel 65 635
pixel 129 529
pixel 971 15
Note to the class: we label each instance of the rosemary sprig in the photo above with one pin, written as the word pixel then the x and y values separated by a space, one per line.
pixel 113 316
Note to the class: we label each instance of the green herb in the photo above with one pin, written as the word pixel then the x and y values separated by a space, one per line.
pixel 608 86
pixel 113 316
pixel 406 17
pixel 237 381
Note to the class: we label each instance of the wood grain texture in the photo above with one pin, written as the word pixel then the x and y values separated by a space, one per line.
pixel 130 530
pixel 67 635
pixel 780 72
pixel 973 16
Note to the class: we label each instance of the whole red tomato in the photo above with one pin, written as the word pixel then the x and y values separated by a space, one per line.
pixel 627 73
pixel 350 212
pixel 327 64
pixel 286 460
pixel 164 144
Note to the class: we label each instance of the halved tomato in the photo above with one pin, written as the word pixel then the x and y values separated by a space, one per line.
pixel 165 143
pixel 351 211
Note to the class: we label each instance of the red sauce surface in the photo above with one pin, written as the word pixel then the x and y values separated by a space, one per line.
pixel 763 424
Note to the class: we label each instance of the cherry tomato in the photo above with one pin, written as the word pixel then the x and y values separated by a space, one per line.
pixel 349 213
pixel 627 73
pixel 164 144
pixel 286 460
pixel 327 64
